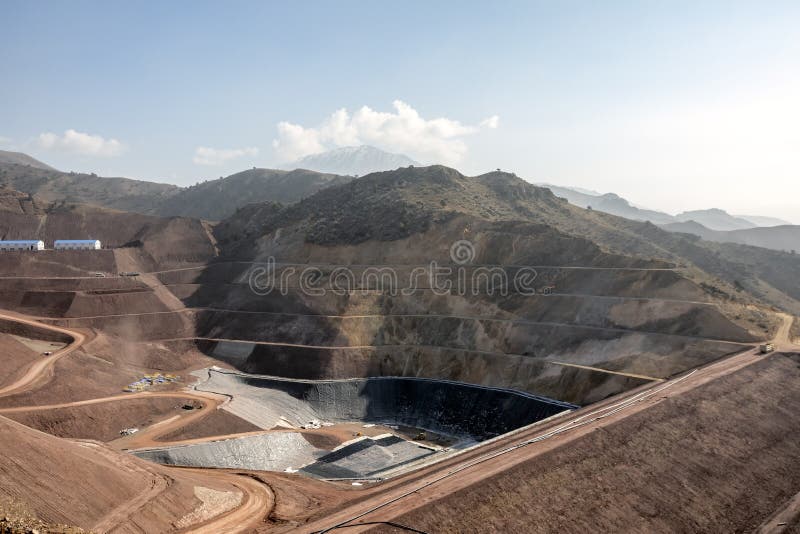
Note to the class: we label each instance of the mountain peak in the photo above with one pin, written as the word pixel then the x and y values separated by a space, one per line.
pixel 352 160
pixel 20 158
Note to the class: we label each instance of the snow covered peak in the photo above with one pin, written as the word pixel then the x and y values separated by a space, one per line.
pixel 352 160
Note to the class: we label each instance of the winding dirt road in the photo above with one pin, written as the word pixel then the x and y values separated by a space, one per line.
pixel 396 496
pixel 40 368
pixel 257 498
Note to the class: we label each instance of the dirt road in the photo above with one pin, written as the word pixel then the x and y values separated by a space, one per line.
pixel 40 368
pixel 258 501
pixel 257 498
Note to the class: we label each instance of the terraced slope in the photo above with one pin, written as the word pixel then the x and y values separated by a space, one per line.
pixel 87 485
pixel 609 306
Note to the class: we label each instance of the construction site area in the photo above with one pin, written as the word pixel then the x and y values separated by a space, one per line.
pixel 149 386
pixel 155 391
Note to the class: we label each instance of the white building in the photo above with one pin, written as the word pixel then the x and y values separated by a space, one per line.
pixel 76 244
pixel 23 244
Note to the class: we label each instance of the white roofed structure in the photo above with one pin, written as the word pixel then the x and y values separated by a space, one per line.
pixel 22 244
pixel 76 244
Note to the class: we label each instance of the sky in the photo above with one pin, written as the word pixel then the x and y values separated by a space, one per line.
pixel 673 105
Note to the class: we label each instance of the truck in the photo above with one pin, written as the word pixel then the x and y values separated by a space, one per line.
pixel 766 348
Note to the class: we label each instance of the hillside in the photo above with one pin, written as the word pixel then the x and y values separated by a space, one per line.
pixel 148 240
pixel 51 484
pixel 212 200
pixel 609 203
pixel 704 461
pixel 18 158
pixel 715 219
pixel 627 296
pixel 352 161
pixel 12 201
pixel 55 186
pixel 218 199
pixel 393 205
pixel 784 238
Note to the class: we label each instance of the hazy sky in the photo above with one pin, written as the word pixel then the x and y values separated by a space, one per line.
pixel 674 105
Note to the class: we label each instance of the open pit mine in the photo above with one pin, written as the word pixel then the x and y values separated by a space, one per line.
pixel 415 347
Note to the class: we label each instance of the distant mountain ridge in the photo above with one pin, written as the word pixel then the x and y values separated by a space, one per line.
pixel 211 200
pixel 352 160
pixel 784 238
pixel 609 203
pixel 713 219
pixel 759 220
pixel 217 199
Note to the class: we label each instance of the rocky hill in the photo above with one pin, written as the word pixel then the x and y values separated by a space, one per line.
pixel 54 186
pixel 212 200
pixel 611 293
pixel 217 199
pixel 398 204
pixel 18 158
pixel 12 201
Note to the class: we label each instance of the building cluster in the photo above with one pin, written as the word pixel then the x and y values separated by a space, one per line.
pixel 58 244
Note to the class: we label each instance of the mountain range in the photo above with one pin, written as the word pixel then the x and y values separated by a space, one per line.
pixel 712 219
pixel 215 200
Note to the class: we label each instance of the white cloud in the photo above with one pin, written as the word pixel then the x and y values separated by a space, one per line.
pixel 81 143
pixel 491 122
pixel 204 155
pixel 404 130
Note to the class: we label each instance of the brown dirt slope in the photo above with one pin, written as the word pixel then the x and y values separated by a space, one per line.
pixel 85 484
pixel 216 423
pixel 720 458
pixel 102 421
pixel 155 242
pixel 62 481
pixel 14 358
